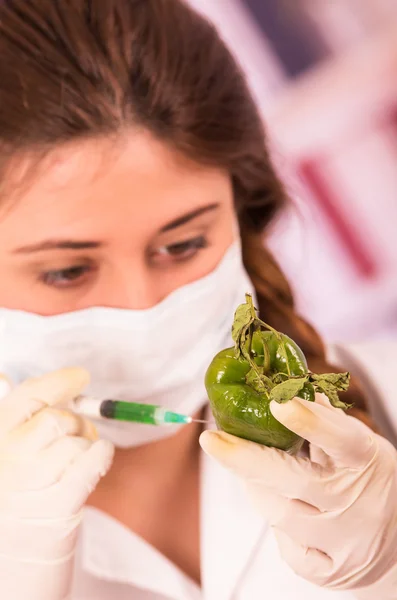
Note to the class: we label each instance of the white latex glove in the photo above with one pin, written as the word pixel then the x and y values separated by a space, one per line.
pixel 335 514
pixel 49 464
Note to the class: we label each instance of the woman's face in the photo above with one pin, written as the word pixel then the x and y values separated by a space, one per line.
pixel 112 224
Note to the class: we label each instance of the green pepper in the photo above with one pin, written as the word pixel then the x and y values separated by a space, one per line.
pixel 264 365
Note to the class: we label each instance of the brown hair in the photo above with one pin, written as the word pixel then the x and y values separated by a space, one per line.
pixel 72 69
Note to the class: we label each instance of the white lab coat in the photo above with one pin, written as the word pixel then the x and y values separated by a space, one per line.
pixel 240 559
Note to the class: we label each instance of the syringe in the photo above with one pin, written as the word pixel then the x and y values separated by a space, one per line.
pixel 133 412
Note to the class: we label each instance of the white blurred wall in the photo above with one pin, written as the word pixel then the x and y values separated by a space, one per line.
pixel 334 137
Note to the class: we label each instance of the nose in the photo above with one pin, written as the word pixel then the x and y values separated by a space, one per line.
pixel 128 287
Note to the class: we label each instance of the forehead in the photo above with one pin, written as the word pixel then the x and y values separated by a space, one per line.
pixel 136 178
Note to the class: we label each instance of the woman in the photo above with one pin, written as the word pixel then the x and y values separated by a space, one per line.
pixel 134 168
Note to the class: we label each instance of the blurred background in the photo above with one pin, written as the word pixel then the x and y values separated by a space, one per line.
pixel 324 73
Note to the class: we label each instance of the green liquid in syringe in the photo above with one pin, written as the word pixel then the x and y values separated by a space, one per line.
pixel 140 413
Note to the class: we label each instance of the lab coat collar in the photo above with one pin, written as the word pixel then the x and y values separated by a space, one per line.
pixel 110 551
pixel 230 534
pixel 230 531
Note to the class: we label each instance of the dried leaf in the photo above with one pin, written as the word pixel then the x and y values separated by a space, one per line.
pixel 329 384
pixel 242 320
pixel 339 380
pixel 279 378
pixel 254 380
pixel 285 391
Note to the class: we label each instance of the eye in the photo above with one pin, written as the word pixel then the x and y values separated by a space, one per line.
pixel 62 278
pixel 180 251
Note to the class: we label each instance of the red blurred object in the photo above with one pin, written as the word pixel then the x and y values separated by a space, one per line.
pixel 329 201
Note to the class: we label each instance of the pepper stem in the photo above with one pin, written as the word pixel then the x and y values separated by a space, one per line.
pixel 256 320
pixel 246 322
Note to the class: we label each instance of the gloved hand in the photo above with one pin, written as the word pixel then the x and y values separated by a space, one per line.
pixel 335 514
pixel 49 464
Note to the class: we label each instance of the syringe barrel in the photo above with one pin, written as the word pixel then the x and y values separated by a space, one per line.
pixel 132 412
pixel 129 411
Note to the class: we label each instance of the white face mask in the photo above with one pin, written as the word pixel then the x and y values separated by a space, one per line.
pixel 156 356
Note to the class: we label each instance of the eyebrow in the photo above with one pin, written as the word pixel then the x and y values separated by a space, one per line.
pixel 56 244
pixel 189 217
